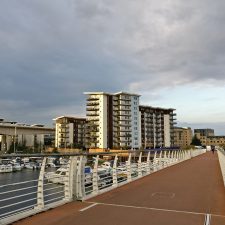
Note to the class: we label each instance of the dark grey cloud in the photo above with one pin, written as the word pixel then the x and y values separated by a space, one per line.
pixel 52 51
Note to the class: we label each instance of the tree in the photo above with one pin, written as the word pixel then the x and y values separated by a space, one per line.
pixel 196 141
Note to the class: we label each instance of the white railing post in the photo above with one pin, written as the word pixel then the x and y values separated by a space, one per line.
pixel 172 157
pixel 69 183
pixel 160 161
pixel 148 163
pixel 115 182
pixel 79 182
pixel 179 155
pixel 67 188
pixel 140 166
pixel 175 156
pixel 40 190
pixel 128 167
pixel 155 162
pixel 182 155
pixel 169 159
pixel 95 176
pixel 164 159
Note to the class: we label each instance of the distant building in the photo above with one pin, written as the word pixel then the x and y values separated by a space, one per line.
pixel 112 120
pixel 215 140
pixel 183 136
pixel 202 134
pixel 14 134
pixel 69 132
pixel 157 126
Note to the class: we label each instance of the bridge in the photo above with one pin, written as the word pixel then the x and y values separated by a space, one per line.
pixel 155 188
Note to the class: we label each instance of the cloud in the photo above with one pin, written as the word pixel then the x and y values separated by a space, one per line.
pixel 52 50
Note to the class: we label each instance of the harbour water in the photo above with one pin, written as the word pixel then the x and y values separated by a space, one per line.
pixel 18 191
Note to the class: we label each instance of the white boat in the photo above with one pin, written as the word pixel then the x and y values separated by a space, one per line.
pixel 16 167
pixel 6 168
pixel 32 166
pixel 59 176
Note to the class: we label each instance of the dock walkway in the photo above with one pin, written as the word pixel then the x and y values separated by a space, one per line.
pixel 189 193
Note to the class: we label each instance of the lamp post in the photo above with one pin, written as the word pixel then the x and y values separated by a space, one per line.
pixel 15 140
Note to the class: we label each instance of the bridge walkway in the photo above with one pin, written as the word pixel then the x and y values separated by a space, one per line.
pixel 188 193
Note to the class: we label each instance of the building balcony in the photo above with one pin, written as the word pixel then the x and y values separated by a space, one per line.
pixel 63 126
pixel 92 98
pixel 93 103
pixel 128 103
pixel 92 108
pixel 93 118
pixel 124 119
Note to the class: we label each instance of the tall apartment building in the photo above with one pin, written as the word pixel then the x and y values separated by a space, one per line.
pixel 182 136
pixel 157 127
pixel 112 120
pixel 69 132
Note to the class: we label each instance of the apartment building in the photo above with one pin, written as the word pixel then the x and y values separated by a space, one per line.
pixel 126 124
pixel 69 132
pixel 215 140
pixel 202 134
pixel 112 120
pixel 157 126
pixel 182 136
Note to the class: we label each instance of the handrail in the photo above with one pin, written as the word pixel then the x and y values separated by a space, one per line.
pixel 86 153
pixel 76 184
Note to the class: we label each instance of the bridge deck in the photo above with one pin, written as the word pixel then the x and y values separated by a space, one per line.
pixel 179 195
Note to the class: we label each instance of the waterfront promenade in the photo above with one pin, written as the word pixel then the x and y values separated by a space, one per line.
pixel 187 193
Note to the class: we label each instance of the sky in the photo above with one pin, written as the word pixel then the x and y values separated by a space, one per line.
pixel 171 52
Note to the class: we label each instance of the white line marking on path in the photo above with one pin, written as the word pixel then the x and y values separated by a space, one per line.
pixel 88 207
pixel 156 209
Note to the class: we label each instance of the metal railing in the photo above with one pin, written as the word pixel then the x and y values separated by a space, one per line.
pixel 83 177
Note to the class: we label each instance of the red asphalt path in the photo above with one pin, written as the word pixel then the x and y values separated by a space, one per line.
pixel 179 195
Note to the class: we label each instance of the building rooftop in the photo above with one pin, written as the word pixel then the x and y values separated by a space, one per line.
pixel 107 93
pixel 160 108
pixel 126 93
pixel 70 117
pixel 97 93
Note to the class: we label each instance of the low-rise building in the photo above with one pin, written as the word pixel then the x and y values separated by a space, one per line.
pixel 183 136
pixel 215 140
pixel 202 134
pixel 15 135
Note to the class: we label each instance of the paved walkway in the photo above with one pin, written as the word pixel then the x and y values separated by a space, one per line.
pixel 179 195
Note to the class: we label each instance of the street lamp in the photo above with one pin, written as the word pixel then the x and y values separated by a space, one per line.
pixel 15 141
